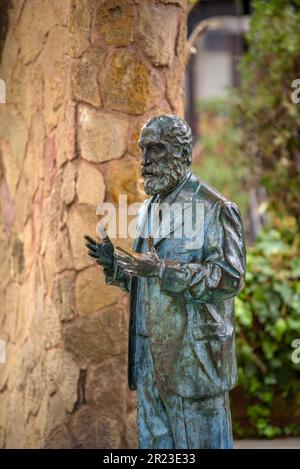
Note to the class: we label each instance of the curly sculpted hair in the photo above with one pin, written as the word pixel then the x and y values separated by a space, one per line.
pixel 176 131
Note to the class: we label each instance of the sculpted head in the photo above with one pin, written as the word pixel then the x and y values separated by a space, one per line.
pixel 166 143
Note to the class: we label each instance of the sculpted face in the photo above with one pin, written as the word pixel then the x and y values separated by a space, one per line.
pixel 162 165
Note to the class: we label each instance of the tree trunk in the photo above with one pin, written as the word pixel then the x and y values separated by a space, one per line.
pixel 81 79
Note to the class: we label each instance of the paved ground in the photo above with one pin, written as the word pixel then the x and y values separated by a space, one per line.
pixel 279 443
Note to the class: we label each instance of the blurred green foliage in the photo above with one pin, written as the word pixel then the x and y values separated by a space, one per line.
pixel 268 309
pixel 258 143
pixel 220 150
pixel 267 322
pixel 269 117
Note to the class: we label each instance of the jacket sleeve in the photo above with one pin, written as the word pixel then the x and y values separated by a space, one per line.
pixel 221 275
pixel 118 278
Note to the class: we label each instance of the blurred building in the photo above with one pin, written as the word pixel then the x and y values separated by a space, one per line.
pixel 213 67
pixel 212 71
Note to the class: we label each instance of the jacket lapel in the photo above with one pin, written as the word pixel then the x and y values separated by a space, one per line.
pixel 171 223
pixel 181 200
pixel 141 225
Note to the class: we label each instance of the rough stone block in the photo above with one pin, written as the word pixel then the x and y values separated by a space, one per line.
pixel 97 337
pixel 81 219
pixel 157 31
pixel 92 293
pixel 106 387
pixel 114 23
pixel 92 430
pixel 130 85
pixel 90 185
pixel 101 136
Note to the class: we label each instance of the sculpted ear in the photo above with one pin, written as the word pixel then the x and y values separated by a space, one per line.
pixel 177 150
pixel 187 156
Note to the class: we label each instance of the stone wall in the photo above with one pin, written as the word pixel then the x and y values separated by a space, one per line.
pixel 82 77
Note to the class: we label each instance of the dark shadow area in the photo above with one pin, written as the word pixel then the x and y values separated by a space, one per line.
pixel 4 7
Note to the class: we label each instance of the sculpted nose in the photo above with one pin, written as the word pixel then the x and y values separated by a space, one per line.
pixel 145 158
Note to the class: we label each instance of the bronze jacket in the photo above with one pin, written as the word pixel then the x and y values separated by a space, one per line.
pixel 190 305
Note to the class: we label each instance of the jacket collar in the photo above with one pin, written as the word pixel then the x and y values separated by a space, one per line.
pixel 182 194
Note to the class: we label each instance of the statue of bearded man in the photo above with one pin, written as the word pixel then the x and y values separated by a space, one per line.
pixel 182 359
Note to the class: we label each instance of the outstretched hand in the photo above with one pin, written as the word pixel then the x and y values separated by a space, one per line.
pixel 140 265
pixel 102 253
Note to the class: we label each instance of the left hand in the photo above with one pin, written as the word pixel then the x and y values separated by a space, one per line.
pixel 139 265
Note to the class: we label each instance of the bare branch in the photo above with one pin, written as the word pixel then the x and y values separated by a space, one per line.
pixel 200 29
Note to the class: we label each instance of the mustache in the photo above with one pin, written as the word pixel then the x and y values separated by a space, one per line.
pixel 161 171
pixel 151 171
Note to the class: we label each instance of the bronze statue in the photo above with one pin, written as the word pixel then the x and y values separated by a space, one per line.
pixel 182 359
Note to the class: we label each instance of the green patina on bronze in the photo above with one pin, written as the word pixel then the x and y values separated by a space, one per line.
pixel 182 339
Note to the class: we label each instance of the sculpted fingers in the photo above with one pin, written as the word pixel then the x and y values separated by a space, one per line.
pixel 126 252
pixel 93 254
pixel 125 255
pixel 89 239
pixel 103 233
pixel 91 247
pixel 126 260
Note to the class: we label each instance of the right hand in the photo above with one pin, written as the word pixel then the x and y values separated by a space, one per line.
pixel 103 252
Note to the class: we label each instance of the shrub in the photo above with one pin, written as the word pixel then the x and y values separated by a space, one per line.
pixel 258 143
pixel 270 119
pixel 268 321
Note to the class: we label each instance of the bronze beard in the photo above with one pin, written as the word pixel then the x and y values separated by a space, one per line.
pixel 164 176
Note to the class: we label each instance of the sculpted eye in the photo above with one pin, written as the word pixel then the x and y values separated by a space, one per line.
pixel 157 147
